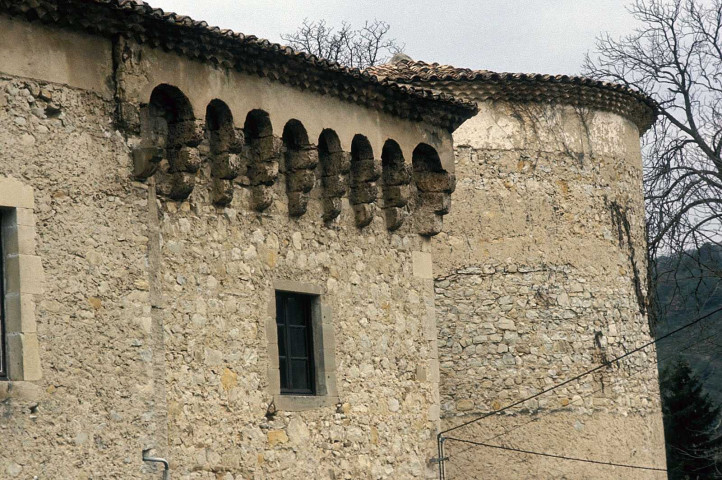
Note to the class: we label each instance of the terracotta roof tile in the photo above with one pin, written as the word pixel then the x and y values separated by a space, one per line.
pixel 481 85
pixel 196 39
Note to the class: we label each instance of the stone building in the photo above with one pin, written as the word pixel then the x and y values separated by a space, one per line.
pixel 540 275
pixel 231 255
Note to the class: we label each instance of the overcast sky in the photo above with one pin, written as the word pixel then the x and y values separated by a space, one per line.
pixel 535 36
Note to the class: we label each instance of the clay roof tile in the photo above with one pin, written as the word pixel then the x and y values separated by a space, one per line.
pixel 197 39
pixel 523 87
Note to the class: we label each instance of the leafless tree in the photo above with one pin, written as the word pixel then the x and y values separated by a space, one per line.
pixel 357 48
pixel 675 57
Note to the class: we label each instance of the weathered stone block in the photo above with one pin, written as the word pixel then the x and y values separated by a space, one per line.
pixel 336 163
pixel 297 203
pixel 427 223
pixel 394 217
pixel 129 117
pixel 363 214
pixel 422 264
pixel 261 197
pixel 332 207
pixel 400 175
pixel 222 191
pixel 184 159
pixel 263 148
pixel 14 193
pixel 223 139
pixel 24 358
pixel 364 171
pixel 181 185
pixel 185 134
pixel 334 186
pixel 301 159
pixel 396 196
pixel 238 142
pixel 363 193
pixel 146 161
pixel 226 165
pixel 300 181
pixel 435 181
pixel 438 202
pixel 24 274
pixel 20 313
pixel 263 173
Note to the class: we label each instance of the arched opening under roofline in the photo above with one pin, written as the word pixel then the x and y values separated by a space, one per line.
pixel 225 147
pixel 262 162
pixel 170 102
pixel 434 186
pixel 301 159
pixel 395 184
pixel 335 165
pixel 173 132
pixel 364 173
pixel 257 124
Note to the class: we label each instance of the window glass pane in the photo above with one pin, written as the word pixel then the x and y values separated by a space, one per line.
pixel 295 313
pixel 283 366
pixel 3 373
pixel 281 341
pixel 299 371
pixel 280 308
pixel 298 344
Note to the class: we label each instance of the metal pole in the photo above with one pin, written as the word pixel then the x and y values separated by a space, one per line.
pixel 440 458
pixel 166 465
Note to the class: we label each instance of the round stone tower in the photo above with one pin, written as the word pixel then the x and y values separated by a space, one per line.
pixel 540 276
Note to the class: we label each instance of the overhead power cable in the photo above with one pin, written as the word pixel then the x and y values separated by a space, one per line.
pixel 584 374
pixel 615 382
pixel 552 455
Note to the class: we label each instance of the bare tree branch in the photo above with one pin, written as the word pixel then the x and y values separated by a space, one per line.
pixel 675 57
pixel 367 46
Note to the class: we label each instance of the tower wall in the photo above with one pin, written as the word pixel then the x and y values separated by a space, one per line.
pixel 540 276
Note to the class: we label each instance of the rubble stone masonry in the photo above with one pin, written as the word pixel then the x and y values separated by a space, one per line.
pixel 539 277
pixel 160 271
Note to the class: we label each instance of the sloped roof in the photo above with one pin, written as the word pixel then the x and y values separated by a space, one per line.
pixel 196 39
pixel 482 85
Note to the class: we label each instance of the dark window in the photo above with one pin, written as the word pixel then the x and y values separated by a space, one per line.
pixel 3 360
pixel 295 343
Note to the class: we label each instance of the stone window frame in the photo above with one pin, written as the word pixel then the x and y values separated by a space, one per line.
pixel 324 348
pixel 22 281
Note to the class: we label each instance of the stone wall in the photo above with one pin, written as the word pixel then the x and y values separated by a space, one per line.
pixel 158 289
pixel 152 324
pixel 539 276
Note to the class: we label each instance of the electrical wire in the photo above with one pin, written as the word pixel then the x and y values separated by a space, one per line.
pixel 584 374
pixel 618 380
pixel 552 455
pixel 615 382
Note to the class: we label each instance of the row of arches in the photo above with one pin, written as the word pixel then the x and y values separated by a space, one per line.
pixel 254 154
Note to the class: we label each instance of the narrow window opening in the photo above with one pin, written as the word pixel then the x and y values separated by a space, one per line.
pixel 294 322
pixel 3 356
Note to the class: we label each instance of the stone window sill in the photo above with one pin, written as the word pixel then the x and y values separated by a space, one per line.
pixel 300 403
pixel 19 390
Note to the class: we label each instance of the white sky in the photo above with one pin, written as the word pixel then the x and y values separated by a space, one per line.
pixel 539 36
